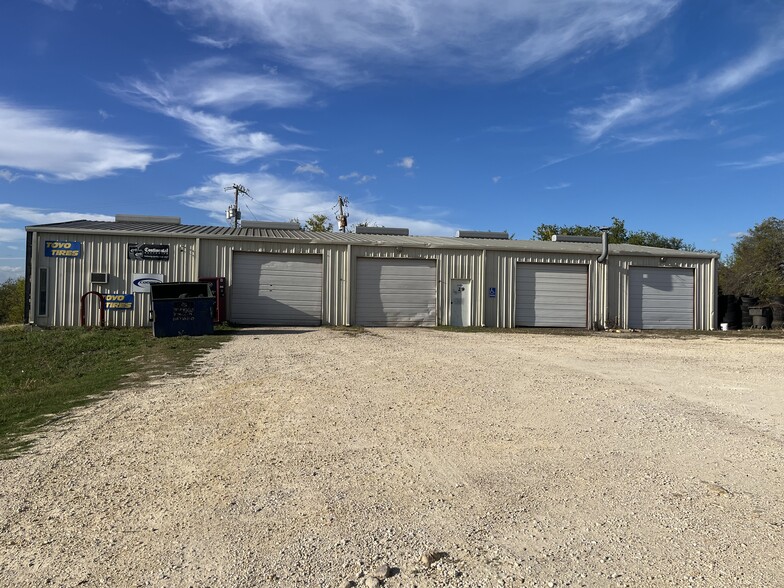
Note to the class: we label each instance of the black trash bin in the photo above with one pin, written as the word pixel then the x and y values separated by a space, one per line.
pixel 182 308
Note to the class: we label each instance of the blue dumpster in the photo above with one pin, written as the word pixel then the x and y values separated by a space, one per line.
pixel 182 308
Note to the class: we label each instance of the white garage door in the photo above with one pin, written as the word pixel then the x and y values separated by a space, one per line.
pixel 551 295
pixel 661 298
pixel 396 292
pixel 276 289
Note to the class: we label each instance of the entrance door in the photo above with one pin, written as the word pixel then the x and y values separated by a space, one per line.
pixel 460 302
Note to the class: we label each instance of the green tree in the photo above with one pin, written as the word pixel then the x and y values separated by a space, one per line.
pixel 12 293
pixel 318 223
pixel 756 264
pixel 617 233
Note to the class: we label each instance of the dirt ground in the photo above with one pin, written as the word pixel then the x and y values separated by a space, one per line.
pixel 301 457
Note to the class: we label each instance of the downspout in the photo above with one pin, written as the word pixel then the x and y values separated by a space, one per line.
pixel 602 259
pixel 28 277
pixel 32 319
pixel 347 287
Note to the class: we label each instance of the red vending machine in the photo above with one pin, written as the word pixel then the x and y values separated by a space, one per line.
pixel 218 286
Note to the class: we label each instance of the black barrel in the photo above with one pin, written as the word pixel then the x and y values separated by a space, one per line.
pixel 745 318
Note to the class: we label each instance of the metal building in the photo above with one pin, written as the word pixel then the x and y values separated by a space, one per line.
pixel 277 274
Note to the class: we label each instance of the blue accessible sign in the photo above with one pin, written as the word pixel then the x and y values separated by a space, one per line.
pixel 62 249
pixel 118 301
pixel 491 292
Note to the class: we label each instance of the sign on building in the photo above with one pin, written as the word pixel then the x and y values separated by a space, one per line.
pixel 148 251
pixel 118 301
pixel 491 292
pixel 62 249
pixel 141 282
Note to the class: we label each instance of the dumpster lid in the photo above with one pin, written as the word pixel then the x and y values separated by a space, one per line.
pixel 172 290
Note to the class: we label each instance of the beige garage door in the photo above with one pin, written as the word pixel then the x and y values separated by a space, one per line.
pixel 551 295
pixel 396 292
pixel 276 289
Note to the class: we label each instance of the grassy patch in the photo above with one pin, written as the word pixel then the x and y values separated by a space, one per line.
pixel 45 373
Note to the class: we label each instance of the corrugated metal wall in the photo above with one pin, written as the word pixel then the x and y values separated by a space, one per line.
pixel 705 287
pixel 191 258
pixel 69 278
pixel 501 274
pixel 451 264
pixel 215 261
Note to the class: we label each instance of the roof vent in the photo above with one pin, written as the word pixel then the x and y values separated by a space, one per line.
pixel 271 225
pixel 361 230
pixel 483 235
pixel 141 218
pixel 576 239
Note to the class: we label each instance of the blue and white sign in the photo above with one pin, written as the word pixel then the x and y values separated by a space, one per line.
pixel 491 292
pixel 141 282
pixel 62 249
pixel 118 301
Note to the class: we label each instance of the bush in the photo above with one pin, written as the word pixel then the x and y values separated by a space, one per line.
pixel 12 293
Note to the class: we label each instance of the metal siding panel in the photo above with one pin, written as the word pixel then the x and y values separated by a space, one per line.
pixel 396 292
pixel 551 295
pixel 661 298
pixel 276 289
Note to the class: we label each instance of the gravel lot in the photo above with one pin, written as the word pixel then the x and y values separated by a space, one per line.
pixel 301 457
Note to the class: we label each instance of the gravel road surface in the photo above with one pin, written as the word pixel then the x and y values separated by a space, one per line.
pixel 418 457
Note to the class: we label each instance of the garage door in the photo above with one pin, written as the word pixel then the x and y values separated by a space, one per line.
pixel 396 293
pixel 276 289
pixel 661 298
pixel 551 295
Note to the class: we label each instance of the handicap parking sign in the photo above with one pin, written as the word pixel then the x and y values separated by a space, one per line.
pixel 491 293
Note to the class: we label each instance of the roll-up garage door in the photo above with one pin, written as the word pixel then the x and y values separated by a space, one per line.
pixel 276 289
pixel 661 298
pixel 396 292
pixel 551 295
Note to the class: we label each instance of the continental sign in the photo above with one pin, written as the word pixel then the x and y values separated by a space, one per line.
pixel 62 249
pixel 148 251
pixel 118 301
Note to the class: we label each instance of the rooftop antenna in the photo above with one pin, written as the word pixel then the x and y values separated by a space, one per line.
pixel 234 213
pixel 342 214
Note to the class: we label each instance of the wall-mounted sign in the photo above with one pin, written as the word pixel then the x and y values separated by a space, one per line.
pixel 147 251
pixel 141 282
pixel 491 292
pixel 62 249
pixel 118 301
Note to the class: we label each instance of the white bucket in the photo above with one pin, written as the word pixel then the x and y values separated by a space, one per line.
pixel 725 326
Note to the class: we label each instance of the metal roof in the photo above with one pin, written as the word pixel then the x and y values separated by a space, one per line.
pixel 218 232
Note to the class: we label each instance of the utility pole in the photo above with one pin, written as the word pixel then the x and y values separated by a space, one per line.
pixel 234 213
pixel 342 215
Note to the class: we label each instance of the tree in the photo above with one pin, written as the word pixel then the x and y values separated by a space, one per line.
pixel 318 223
pixel 617 233
pixel 756 264
pixel 12 293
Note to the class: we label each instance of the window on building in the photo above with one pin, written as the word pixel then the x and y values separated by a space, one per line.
pixel 43 288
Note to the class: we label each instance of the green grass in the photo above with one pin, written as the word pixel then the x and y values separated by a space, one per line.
pixel 46 372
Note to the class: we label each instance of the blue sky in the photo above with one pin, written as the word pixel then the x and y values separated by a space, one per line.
pixel 434 115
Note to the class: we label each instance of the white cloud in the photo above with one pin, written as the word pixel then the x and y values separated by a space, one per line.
pixel 406 162
pixel 309 168
pixel 559 186
pixel 278 199
pixel 764 161
pixel 59 4
pixel 379 152
pixel 10 272
pixel 11 235
pixel 293 129
pixel 212 42
pixel 496 179
pixel 336 38
pixel 40 216
pixel 187 96
pixel 8 175
pixel 104 115
pixel 635 108
pixel 358 177
pixel 36 141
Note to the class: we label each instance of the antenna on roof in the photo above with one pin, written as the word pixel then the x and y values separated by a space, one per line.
pixel 342 214
pixel 233 212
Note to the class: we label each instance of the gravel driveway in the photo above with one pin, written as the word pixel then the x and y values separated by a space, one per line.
pixel 303 457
